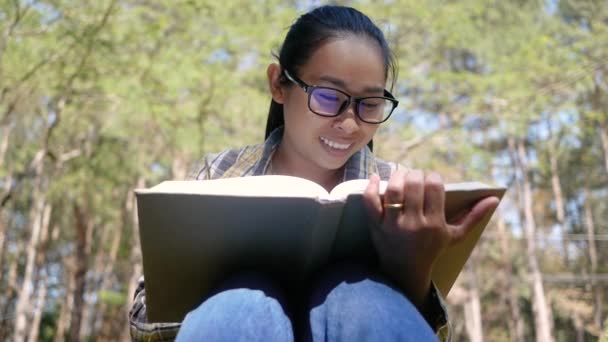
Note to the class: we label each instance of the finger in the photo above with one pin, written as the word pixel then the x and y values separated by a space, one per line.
pixel 414 194
pixel 371 198
pixel 478 212
pixel 434 199
pixel 394 195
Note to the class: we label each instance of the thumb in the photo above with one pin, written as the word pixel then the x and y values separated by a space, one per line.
pixel 478 212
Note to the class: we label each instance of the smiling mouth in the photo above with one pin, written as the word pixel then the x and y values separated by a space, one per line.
pixel 335 145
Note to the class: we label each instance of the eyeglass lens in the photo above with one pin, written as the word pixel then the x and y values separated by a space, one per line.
pixel 330 102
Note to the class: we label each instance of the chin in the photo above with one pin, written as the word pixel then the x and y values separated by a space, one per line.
pixel 336 165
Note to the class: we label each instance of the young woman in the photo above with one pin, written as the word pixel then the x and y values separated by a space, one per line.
pixel 328 99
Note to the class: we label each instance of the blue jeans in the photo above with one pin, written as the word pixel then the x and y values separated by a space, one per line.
pixel 346 304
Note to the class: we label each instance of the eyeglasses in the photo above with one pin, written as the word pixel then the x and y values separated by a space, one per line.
pixel 330 102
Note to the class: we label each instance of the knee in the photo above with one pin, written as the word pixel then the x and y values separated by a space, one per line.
pixel 368 309
pixel 370 300
pixel 360 292
pixel 230 304
pixel 237 314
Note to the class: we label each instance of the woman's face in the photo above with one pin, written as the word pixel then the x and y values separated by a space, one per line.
pixel 352 64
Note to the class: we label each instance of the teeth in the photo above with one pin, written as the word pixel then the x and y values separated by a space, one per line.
pixel 335 145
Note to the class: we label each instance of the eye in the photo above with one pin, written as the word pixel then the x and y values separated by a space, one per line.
pixel 369 105
pixel 372 103
pixel 326 96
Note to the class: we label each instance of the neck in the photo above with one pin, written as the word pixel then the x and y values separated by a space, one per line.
pixel 284 164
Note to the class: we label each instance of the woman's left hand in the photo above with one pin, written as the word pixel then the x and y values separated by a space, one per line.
pixel 409 239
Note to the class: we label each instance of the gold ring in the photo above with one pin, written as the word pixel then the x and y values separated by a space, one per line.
pixel 393 205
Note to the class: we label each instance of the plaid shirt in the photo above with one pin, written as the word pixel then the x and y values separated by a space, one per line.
pixel 255 160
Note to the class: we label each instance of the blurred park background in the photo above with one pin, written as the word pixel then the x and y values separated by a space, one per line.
pixel 100 97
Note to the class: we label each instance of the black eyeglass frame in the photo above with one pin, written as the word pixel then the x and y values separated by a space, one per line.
pixel 351 99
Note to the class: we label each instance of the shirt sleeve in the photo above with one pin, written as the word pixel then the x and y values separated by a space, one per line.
pixel 216 165
pixel 438 316
pixel 139 327
pixel 202 169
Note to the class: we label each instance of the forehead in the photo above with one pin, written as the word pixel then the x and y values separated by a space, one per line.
pixel 356 61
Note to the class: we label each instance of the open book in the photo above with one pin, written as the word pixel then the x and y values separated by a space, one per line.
pixel 196 233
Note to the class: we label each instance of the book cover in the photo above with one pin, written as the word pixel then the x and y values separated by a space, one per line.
pixel 193 234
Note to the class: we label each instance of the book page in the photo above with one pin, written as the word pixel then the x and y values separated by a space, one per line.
pixel 460 197
pixel 253 186
pixel 356 186
pixel 468 186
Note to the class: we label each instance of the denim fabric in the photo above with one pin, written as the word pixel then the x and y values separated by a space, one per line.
pixel 350 303
pixel 347 304
pixel 247 307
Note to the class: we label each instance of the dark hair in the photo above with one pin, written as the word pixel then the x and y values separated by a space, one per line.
pixel 313 29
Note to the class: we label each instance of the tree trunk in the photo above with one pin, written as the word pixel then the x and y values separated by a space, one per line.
pixel 9 295
pixel 93 282
pixel 603 128
pixel 472 308
pixel 135 255
pixel 3 238
pixel 580 329
pixel 40 300
pixel 593 258
pixel 8 180
pixel 5 134
pixel 63 322
pixel 556 185
pixel 179 169
pixel 105 283
pixel 82 225
pixel 542 311
pixel 516 323
pixel 43 276
pixel 5 222
pixel 24 302
pixel 38 197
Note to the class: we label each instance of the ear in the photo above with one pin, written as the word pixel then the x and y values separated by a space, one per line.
pixel 274 72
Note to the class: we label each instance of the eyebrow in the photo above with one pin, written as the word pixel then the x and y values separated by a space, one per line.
pixel 342 85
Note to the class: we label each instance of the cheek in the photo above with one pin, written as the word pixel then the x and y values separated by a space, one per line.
pixel 294 108
pixel 294 117
pixel 298 118
pixel 304 124
pixel 369 131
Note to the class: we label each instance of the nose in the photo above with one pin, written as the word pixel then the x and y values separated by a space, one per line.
pixel 347 121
